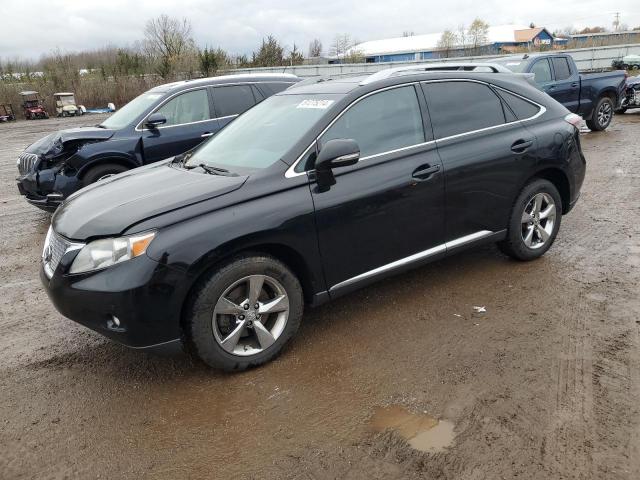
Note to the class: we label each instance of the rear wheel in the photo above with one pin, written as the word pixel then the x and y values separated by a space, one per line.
pixel 534 223
pixel 100 172
pixel 602 114
pixel 244 313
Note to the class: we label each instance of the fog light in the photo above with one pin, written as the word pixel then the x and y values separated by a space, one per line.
pixel 114 325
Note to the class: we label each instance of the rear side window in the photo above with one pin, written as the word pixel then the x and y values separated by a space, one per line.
pixel 521 107
pixel 381 122
pixel 561 68
pixel 460 107
pixel 272 88
pixel 232 100
pixel 542 71
pixel 188 107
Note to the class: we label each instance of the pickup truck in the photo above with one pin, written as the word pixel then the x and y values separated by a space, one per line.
pixel 594 96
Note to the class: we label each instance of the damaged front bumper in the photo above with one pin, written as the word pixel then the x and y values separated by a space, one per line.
pixel 47 188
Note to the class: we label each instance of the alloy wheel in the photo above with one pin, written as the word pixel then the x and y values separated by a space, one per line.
pixel 538 220
pixel 604 114
pixel 250 315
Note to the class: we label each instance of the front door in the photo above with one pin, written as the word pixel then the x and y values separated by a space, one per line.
pixel 386 211
pixel 189 122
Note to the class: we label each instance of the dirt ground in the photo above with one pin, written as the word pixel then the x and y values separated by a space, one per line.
pixel 543 385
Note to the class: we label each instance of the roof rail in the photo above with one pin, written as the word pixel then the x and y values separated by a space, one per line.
pixel 435 67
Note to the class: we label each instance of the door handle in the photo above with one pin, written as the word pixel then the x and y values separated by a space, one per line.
pixel 425 172
pixel 574 84
pixel 207 134
pixel 520 146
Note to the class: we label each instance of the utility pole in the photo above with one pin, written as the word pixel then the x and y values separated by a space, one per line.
pixel 616 22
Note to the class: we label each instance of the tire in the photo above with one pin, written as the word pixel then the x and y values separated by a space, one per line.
pixel 102 171
pixel 602 114
pixel 207 327
pixel 543 233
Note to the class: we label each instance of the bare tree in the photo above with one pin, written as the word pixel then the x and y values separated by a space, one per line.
pixel 463 39
pixel 168 42
pixel 447 43
pixel 315 48
pixel 341 44
pixel 408 33
pixel 478 35
pixel 295 56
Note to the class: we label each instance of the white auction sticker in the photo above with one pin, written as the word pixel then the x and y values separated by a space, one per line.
pixel 321 104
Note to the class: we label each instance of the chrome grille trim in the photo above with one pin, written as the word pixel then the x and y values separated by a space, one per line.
pixel 27 162
pixel 55 247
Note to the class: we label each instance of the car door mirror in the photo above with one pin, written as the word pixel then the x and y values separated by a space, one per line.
pixel 340 152
pixel 155 120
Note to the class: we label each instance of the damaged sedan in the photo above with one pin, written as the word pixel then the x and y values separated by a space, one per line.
pixel 167 120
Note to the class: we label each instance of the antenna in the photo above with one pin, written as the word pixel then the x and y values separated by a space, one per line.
pixel 616 22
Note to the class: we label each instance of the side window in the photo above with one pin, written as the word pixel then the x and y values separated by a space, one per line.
pixel 460 107
pixel 192 106
pixel 561 68
pixel 542 71
pixel 522 108
pixel 232 100
pixel 382 122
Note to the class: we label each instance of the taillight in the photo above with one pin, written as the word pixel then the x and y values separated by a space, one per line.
pixel 575 120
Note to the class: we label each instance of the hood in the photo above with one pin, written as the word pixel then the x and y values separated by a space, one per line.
pixel 111 206
pixel 632 81
pixel 54 143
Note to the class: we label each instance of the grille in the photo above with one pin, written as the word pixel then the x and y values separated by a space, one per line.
pixel 26 162
pixel 55 247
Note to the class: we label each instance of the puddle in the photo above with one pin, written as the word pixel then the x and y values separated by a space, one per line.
pixel 422 432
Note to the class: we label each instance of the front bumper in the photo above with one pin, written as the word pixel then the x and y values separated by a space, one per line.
pixel 47 188
pixel 145 297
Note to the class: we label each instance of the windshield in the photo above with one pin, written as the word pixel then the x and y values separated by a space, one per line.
pixel 132 110
pixel 67 100
pixel 263 134
pixel 516 65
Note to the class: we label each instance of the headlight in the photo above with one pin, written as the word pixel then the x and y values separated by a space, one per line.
pixel 108 251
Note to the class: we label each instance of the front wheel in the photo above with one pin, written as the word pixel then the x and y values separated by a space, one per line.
pixel 602 114
pixel 534 222
pixel 100 172
pixel 243 313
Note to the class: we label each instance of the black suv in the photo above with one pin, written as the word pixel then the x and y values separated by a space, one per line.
pixel 163 122
pixel 319 190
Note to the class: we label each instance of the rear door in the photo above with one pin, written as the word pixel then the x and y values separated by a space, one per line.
pixel 387 210
pixel 189 122
pixel 229 101
pixel 485 154
pixel 567 83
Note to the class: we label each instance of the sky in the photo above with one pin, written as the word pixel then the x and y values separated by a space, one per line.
pixel 30 28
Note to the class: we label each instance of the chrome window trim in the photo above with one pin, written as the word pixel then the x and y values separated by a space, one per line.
pixel 444 247
pixel 291 173
pixel 140 127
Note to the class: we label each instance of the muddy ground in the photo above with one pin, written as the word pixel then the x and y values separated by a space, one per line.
pixel 544 384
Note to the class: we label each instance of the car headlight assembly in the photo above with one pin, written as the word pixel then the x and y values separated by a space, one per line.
pixel 106 252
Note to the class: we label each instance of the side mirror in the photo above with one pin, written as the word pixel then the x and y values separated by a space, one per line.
pixel 155 120
pixel 340 152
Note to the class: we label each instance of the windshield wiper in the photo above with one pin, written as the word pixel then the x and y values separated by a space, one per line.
pixel 211 170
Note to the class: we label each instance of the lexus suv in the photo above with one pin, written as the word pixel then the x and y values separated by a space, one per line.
pixel 163 122
pixel 319 190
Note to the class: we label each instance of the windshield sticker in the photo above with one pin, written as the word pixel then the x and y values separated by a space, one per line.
pixel 320 104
